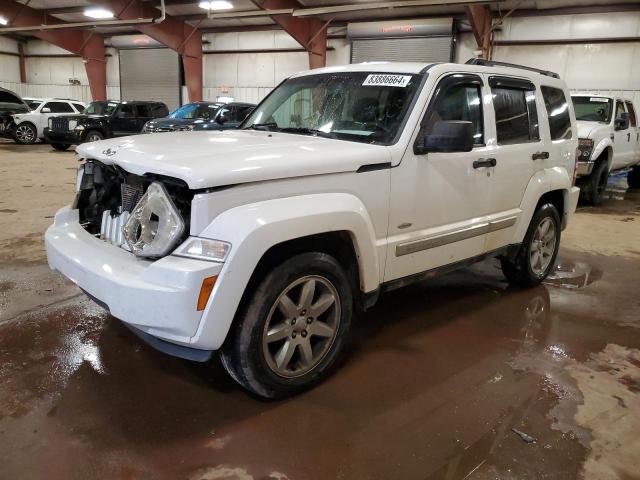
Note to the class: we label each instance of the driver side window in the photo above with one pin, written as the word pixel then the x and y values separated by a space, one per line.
pixel 456 101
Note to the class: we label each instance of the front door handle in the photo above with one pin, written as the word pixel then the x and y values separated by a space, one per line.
pixel 484 162
pixel 540 156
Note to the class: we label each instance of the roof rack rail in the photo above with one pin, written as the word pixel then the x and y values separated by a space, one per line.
pixel 491 63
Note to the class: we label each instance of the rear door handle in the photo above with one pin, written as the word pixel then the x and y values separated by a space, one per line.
pixel 484 162
pixel 540 156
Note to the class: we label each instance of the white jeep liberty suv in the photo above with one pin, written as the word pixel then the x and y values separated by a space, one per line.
pixel 261 243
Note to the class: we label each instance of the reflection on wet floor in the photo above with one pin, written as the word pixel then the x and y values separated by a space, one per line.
pixel 435 378
pixel 573 275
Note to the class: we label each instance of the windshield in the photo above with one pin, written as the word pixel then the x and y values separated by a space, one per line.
pixel 33 104
pixel 193 111
pixel 101 108
pixel 593 109
pixel 355 106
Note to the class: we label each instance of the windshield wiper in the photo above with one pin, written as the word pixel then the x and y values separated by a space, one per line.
pixel 309 131
pixel 265 126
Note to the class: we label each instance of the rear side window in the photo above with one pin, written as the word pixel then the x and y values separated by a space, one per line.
pixel 158 110
pixel 143 111
pixel 558 113
pixel 59 107
pixel 457 101
pixel 516 115
pixel 632 114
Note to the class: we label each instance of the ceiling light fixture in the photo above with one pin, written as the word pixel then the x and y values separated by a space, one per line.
pixel 3 21
pixel 216 5
pixel 99 13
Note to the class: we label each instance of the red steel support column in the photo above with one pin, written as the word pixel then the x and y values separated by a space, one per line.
pixel 309 32
pixel 23 68
pixel 174 33
pixel 81 42
pixel 480 19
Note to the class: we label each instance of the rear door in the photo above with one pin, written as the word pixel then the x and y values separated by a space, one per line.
pixel 124 121
pixel 633 125
pixel 517 148
pixel 143 115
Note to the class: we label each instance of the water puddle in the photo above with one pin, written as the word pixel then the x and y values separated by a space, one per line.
pixel 573 275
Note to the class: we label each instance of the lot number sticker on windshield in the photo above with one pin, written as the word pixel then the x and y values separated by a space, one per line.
pixel 378 80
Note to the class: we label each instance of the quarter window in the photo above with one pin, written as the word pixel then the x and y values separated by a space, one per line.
pixel 558 113
pixel 59 107
pixel 632 114
pixel 78 107
pixel 458 102
pixel 516 115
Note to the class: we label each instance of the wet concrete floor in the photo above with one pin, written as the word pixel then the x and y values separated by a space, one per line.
pixel 459 377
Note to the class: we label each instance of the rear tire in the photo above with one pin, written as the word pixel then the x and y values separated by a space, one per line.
pixel 25 134
pixel 537 254
pixel 60 146
pixel 290 331
pixel 595 185
pixel 633 177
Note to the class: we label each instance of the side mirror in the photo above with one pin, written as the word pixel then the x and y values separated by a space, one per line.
pixel 621 122
pixel 447 136
pixel 222 119
pixel 45 110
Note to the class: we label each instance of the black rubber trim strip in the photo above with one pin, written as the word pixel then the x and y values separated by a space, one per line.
pixel 372 167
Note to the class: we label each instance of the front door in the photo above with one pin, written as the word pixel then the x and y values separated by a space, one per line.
pixel 440 202
pixel 635 130
pixel 623 143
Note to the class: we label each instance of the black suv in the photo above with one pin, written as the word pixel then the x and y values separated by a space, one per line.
pixel 105 119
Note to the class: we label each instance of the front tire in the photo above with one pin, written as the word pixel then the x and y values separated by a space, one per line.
pixel 25 134
pixel 537 254
pixel 595 185
pixel 289 333
pixel 633 177
pixel 93 136
pixel 61 147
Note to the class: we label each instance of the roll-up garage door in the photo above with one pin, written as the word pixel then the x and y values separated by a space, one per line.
pixel 426 40
pixel 150 74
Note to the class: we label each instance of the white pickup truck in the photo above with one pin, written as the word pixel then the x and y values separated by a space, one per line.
pixel 609 141
pixel 345 182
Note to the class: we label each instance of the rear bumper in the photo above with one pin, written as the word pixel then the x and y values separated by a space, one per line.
pixel 70 138
pixel 158 298
pixel 574 195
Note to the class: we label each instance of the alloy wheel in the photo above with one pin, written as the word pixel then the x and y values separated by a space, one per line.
pixel 301 326
pixel 25 134
pixel 543 246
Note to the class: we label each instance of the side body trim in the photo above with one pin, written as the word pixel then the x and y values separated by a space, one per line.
pixel 452 237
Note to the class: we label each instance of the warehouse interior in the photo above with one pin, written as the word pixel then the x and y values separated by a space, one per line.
pixel 459 376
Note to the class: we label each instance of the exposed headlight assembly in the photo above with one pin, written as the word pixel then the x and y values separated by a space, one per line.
pixel 585 147
pixel 204 249
pixel 155 225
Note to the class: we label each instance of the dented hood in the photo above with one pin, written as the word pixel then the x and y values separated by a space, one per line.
pixel 210 159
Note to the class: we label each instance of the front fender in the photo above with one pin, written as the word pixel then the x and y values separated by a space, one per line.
pixel 601 147
pixel 254 228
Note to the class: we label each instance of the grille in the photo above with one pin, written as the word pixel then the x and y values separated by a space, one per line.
pixel 159 129
pixel 60 124
pixel 130 196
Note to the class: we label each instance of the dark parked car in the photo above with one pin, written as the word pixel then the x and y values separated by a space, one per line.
pixel 202 116
pixel 105 119
pixel 10 104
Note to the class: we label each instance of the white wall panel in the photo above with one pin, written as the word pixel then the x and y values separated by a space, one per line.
pixel 9 64
pixel 8 45
pixel 256 70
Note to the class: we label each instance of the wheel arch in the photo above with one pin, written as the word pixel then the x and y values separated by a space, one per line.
pixel 266 232
pixel 27 122
pixel 604 150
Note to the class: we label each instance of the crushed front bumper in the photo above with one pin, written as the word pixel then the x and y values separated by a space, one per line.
pixel 158 298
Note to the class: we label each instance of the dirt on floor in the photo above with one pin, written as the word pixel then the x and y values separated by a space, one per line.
pixel 460 377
